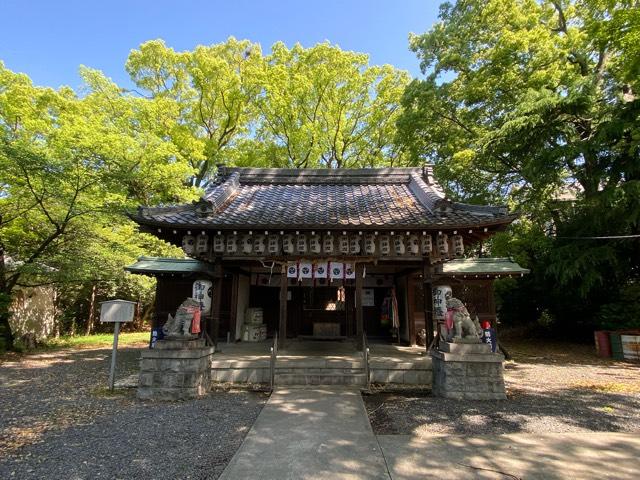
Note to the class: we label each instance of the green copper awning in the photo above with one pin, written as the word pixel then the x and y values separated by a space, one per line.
pixel 495 267
pixel 161 266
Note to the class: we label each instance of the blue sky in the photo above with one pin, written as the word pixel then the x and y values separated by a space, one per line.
pixel 48 40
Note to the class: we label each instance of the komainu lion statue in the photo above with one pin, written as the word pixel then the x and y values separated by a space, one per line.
pixel 180 325
pixel 466 329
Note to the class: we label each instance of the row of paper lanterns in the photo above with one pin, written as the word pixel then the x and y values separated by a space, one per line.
pixel 331 270
pixel 289 244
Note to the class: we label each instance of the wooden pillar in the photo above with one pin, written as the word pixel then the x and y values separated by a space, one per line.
pixel 233 322
pixel 413 283
pixel 215 306
pixel 491 297
pixel 358 302
pixel 427 289
pixel 282 330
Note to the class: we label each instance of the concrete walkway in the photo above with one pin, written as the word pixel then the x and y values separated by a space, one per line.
pixel 310 433
pixel 584 456
pixel 324 433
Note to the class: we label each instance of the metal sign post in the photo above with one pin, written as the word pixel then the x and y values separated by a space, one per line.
pixel 116 311
pixel 112 372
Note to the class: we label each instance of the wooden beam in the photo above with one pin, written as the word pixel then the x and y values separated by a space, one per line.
pixel 427 289
pixel 282 330
pixel 358 302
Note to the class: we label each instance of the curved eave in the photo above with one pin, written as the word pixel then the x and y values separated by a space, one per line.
pixel 493 222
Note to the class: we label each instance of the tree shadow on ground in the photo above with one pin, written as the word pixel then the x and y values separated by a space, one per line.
pixel 563 410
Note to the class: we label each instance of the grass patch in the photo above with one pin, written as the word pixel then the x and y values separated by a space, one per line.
pixel 98 340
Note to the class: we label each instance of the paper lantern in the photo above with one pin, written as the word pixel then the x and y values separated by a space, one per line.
pixel 218 244
pixel 398 245
pixel 343 244
pixel 440 295
pixel 202 243
pixel 273 244
pixel 354 244
pixel 370 244
pixel 327 244
pixel 443 243
pixel 301 243
pixel 189 244
pixel 287 244
pixel 247 244
pixel 413 245
pixel 258 244
pixel 202 292
pixel 426 244
pixel 458 245
pixel 232 243
pixel 385 244
pixel 315 246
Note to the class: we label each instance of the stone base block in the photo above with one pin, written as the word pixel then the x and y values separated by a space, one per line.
pixel 459 372
pixel 178 370
pixel 180 344
pixel 465 348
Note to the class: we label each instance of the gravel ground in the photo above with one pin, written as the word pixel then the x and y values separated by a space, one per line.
pixel 59 421
pixel 551 388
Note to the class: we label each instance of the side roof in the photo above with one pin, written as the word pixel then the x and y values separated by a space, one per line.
pixel 159 266
pixel 496 266
pixel 274 198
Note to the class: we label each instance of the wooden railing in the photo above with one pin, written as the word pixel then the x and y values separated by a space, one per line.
pixel 272 363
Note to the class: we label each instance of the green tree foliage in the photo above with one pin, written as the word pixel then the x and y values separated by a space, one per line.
pixel 537 100
pixel 71 163
pixel 324 107
pixel 299 107
pixel 209 92
pixel 70 166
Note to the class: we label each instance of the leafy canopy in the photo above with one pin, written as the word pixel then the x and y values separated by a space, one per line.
pixel 537 100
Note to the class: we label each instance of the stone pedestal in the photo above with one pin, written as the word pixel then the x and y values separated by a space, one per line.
pixel 175 370
pixel 467 371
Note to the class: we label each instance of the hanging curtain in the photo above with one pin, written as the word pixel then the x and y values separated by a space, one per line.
pixel 395 318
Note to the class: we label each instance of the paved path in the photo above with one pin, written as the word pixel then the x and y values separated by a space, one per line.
pixel 584 456
pixel 324 433
pixel 310 433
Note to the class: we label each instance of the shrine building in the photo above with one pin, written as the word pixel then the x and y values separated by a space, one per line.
pixel 324 254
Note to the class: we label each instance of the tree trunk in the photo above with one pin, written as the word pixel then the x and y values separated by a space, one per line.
pixel 92 309
pixel 6 335
pixel 56 315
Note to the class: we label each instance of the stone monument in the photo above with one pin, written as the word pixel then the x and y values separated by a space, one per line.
pixel 179 367
pixel 463 367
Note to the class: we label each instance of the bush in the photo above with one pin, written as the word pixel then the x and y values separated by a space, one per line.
pixel 624 312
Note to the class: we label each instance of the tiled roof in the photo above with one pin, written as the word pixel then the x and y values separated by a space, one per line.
pixel 322 198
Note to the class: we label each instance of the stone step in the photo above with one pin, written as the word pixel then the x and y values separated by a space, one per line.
pixel 320 379
pixel 319 371
pixel 319 362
